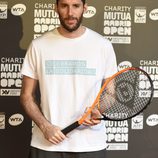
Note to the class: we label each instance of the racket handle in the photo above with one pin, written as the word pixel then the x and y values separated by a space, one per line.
pixel 70 127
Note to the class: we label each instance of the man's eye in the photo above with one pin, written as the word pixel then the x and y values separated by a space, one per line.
pixel 76 6
pixel 63 6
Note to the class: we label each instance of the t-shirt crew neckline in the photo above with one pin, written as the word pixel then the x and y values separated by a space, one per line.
pixel 76 38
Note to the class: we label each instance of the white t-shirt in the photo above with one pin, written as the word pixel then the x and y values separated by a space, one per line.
pixel 70 72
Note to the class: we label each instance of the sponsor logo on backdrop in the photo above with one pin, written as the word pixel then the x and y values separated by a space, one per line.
pixel 154 14
pixel 151 67
pixel 10 76
pixel 2 120
pixel 45 18
pixel 16 119
pixel 124 64
pixel 137 122
pixel 152 120
pixel 18 9
pixel 3 10
pixel 140 15
pixel 117 24
pixel 117 135
pixel 91 11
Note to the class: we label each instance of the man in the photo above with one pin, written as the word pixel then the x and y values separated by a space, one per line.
pixel 69 63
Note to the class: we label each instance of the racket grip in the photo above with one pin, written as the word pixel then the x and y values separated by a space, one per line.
pixel 70 127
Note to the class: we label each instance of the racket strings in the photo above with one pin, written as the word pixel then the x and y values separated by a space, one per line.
pixel 121 99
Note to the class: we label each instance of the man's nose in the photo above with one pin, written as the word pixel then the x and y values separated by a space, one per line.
pixel 70 11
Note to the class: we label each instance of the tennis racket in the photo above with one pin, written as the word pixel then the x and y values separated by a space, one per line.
pixel 121 97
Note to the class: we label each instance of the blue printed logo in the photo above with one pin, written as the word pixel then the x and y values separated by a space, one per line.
pixel 68 67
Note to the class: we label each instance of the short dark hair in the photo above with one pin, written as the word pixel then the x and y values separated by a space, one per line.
pixel 84 1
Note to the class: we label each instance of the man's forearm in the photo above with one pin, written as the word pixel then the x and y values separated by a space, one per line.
pixel 34 112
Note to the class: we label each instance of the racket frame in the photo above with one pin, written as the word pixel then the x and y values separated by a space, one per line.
pixel 118 73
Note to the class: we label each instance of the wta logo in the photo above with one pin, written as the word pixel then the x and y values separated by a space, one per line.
pixel 154 14
pixel 152 120
pixel 18 9
pixel 16 119
pixel 91 11
pixel 124 65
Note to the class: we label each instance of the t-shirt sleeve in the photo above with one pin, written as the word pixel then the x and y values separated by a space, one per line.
pixel 110 61
pixel 29 67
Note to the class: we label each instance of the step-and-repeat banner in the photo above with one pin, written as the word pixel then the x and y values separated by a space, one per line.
pixel 132 27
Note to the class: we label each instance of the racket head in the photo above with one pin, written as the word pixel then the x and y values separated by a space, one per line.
pixel 121 97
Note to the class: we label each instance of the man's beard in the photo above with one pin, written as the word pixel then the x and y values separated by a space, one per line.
pixel 75 27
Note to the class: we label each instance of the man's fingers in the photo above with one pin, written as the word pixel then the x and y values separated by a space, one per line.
pixel 57 137
pixel 88 122
pixel 95 122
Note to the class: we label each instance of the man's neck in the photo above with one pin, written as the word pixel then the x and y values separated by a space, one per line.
pixel 74 34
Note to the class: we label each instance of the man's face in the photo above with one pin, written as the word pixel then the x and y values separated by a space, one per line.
pixel 70 14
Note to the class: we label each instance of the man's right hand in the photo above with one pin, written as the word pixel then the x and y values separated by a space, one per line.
pixel 53 134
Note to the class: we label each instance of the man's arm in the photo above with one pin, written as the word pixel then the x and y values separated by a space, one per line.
pixel 27 98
